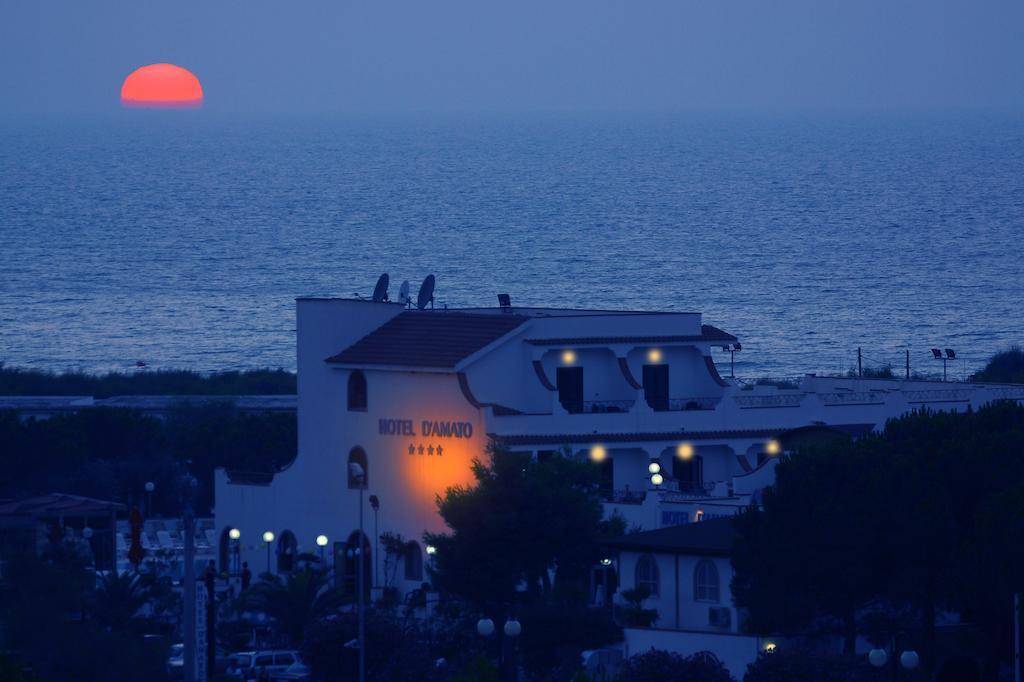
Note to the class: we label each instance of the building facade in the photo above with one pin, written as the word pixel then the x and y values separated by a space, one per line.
pixel 394 404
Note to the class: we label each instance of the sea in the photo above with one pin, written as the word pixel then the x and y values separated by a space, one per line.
pixel 181 239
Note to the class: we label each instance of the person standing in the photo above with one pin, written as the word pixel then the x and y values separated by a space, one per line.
pixel 246 576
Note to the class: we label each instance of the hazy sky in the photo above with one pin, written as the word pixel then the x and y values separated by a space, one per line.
pixel 401 55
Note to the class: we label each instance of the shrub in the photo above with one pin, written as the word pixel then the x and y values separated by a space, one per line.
pixel 664 666
pixel 800 666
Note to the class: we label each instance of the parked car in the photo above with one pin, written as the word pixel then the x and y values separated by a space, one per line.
pixel 297 671
pixel 248 665
pixel 176 661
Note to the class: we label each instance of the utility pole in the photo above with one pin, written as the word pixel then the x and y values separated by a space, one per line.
pixel 908 364
pixel 860 366
pixel 189 583
pixel 1016 637
pixel 362 584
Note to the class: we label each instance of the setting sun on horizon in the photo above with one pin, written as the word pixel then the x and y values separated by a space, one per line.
pixel 162 86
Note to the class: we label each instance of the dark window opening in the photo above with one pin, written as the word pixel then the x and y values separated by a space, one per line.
pixel 356 391
pixel 689 473
pixel 358 469
pixel 569 381
pixel 413 561
pixel 656 386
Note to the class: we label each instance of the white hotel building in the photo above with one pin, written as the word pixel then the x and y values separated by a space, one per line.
pixel 413 396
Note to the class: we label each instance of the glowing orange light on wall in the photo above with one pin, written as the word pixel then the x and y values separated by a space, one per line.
pixel 773 447
pixel 684 451
pixel 598 453
pixel 568 357
pixel 654 355
pixel 161 86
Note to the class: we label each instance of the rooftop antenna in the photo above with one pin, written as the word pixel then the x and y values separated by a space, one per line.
pixel 426 294
pixel 403 294
pixel 380 292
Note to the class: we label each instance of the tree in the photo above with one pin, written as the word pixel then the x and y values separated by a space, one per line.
pixel 806 558
pixel 523 521
pixel 663 666
pixel 295 603
pixel 1004 367
pixel 119 598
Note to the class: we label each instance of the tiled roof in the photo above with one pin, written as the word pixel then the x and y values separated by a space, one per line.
pixel 428 339
pixel 629 437
pixel 59 504
pixel 708 333
pixel 713 537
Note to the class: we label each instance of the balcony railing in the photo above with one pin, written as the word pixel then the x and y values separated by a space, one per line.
pixel 762 401
pixel 603 406
pixel 626 496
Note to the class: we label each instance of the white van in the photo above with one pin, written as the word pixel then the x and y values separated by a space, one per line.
pixel 249 665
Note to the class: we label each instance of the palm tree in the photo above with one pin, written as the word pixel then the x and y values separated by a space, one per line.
pixel 119 597
pixel 303 598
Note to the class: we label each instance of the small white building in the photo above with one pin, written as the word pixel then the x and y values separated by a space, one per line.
pixel 687 572
pixel 412 396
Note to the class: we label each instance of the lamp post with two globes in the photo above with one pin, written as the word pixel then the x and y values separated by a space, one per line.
pixel 511 631
pixel 908 660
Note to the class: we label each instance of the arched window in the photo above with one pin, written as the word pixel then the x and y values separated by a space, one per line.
pixel 413 561
pixel 358 469
pixel 287 550
pixel 647 574
pixel 705 581
pixel 356 391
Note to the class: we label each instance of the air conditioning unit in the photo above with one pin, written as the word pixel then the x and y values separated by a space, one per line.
pixel 719 616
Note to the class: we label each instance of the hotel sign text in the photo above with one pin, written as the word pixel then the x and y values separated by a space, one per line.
pixel 428 428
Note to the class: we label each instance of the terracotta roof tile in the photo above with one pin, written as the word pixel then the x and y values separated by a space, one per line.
pixel 428 339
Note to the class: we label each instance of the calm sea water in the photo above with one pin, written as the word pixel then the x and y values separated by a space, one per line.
pixel 182 238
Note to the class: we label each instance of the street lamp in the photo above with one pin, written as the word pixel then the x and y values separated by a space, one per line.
pixel 268 537
pixel 150 487
pixel 485 627
pixel 236 550
pixel 358 474
pixel 512 629
pixel 908 660
pixel 375 505
pixel 321 542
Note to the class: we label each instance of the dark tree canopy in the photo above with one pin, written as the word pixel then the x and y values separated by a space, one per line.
pixel 906 521
pixel 1004 367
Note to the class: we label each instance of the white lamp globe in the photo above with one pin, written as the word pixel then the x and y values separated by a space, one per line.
pixel 512 627
pixel 657 479
pixel 909 659
pixel 268 536
pixel 234 533
pixel 150 486
pixel 321 540
pixel 654 468
pixel 877 657
pixel 485 626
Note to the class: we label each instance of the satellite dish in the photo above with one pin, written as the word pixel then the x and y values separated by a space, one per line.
pixel 426 294
pixel 380 292
pixel 403 293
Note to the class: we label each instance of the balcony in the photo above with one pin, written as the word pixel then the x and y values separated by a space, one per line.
pixel 598 406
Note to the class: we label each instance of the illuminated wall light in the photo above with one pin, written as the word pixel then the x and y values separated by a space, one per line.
pixel 431 550
pixel 654 468
pixel 770 647
pixel 598 453
pixel 657 479
pixel 684 451
pixel 698 515
pixel 772 447
pixel 234 533
pixel 568 357
pixel 654 355
pixel 606 562
pixel 268 536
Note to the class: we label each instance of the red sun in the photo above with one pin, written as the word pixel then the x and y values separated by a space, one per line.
pixel 161 86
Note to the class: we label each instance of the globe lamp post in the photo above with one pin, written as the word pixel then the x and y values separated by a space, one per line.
pixel 268 537
pixel 321 542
